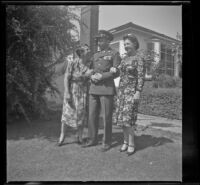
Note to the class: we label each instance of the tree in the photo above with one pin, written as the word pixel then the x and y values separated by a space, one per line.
pixel 37 37
pixel 150 62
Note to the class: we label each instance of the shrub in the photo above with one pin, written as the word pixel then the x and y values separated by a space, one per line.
pixel 178 82
pixel 166 81
pixel 162 102
pixel 37 37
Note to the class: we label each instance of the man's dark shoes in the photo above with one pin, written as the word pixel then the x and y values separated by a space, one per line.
pixel 105 148
pixel 79 141
pixel 89 144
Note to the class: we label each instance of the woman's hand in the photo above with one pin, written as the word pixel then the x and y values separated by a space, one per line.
pixel 136 96
pixel 113 70
pixel 89 72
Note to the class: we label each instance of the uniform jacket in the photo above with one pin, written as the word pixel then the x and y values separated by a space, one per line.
pixel 102 61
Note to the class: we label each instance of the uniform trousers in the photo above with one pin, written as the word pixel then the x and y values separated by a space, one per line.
pixel 103 103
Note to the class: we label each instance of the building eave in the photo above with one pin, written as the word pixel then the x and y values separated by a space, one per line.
pixel 135 27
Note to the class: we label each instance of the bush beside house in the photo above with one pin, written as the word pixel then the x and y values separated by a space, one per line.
pixel 166 101
pixel 166 81
pixel 162 102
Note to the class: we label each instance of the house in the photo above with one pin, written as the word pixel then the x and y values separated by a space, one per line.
pixel 168 49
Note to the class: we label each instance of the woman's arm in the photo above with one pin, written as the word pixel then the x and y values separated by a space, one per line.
pixel 67 78
pixel 86 70
pixel 66 84
pixel 140 74
pixel 64 67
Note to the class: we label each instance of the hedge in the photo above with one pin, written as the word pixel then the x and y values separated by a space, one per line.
pixel 166 81
pixel 165 102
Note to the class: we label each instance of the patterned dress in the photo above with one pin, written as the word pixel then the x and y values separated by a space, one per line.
pixel 131 80
pixel 74 114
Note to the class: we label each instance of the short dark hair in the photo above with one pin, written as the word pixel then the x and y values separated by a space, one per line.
pixel 80 49
pixel 133 39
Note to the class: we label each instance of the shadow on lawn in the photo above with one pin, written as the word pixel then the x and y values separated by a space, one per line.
pixel 49 130
pixel 141 142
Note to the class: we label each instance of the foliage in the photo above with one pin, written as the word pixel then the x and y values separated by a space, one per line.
pixel 37 37
pixel 149 57
pixel 166 81
pixel 163 102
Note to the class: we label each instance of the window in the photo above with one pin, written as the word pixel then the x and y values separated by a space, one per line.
pixel 162 55
pixel 166 63
pixel 162 63
pixel 169 51
pixel 169 65
pixel 150 47
pixel 168 57
pixel 167 60
pixel 170 72
pixel 163 48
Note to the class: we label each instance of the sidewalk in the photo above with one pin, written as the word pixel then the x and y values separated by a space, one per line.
pixel 33 156
pixel 161 123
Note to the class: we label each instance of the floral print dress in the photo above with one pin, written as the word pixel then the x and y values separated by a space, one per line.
pixel 131 80
pixel 74 114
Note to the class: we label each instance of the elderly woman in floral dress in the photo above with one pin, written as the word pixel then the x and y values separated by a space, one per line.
pixel 130 86
pixel 75 94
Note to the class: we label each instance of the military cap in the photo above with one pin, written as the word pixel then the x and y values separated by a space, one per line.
pixel 104 33
pixel 133 39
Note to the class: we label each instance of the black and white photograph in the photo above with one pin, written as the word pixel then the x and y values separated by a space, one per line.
pixel 93 93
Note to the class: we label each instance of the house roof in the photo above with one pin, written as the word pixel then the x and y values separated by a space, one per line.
pixel 131 25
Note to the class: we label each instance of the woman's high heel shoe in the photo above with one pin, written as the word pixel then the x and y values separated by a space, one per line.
pixel 60 143
pixel 132 151
pixel 124 147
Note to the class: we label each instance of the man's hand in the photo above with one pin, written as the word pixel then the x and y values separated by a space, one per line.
pixel 96 77
pixel 89 72
pixel 113 70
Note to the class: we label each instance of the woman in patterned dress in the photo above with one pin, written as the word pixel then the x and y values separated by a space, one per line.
pixel 130 87
pixel 75 94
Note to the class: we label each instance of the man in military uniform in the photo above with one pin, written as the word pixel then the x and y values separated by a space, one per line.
pixel 102 90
